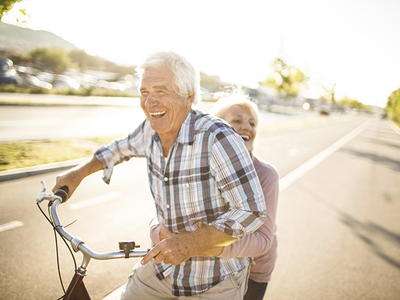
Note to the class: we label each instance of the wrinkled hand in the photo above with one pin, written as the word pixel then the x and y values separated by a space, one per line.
pixel 175 248
pixel 165 233
pixel 172 250
pixel 70 179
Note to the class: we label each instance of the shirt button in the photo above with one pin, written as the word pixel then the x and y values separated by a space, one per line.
pixel 165 178
pixel 167 206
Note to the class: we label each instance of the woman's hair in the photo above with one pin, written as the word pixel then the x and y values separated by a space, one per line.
pixel 186 77
pixel 226 102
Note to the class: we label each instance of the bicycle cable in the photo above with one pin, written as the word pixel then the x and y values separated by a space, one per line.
pixel 56 245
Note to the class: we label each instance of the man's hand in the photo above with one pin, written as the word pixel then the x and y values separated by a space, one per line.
pixel 72 178
pixel 175 248
pixel 165 233
pixel 69 179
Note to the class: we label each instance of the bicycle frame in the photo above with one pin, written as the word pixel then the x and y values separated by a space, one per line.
pixel 76 289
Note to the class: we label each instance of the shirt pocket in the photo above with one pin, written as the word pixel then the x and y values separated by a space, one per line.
pixel 199 202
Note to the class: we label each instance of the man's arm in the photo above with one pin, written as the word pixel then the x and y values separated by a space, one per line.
pixel 180 247
pixel 73 177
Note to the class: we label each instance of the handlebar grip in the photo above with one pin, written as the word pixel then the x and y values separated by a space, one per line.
pixel 63 193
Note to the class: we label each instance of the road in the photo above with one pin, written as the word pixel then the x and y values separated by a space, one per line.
pixel 338 224
pixel 21 123
pixel 93 116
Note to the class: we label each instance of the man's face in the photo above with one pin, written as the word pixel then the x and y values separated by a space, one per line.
pixel 164 108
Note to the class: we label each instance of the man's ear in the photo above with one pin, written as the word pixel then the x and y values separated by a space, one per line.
pixel 190 98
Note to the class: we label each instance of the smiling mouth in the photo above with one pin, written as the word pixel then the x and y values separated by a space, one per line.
pixel 157 114
pixel 245 137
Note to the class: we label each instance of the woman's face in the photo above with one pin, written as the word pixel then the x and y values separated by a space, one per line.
pixel 243 122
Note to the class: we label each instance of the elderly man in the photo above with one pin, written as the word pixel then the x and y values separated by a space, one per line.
pixel 202 180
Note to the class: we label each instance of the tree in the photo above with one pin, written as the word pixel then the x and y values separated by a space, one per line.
pixel 352 103
pixel 393 106
pixel 54 59
pixel 7 5
pixel 330 93
pixel 82 59
pixel 286 79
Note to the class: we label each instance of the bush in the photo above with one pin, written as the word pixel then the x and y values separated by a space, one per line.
pixel 393 106
pixel 9 88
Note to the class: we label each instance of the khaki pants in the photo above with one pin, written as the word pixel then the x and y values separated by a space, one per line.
pixel 143 284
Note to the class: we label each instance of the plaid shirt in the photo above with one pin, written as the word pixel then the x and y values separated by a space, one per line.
pixel 207 177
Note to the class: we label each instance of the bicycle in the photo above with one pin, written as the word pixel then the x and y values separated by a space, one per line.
pixel 77 289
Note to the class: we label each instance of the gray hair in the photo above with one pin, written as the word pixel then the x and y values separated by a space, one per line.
pixel 186 77
pixel 224 103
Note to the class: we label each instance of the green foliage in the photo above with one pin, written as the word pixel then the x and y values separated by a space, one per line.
pixel 286 79
pixel 393 106
pixel 19 58
pixel 330 93
pixel 54 59
pixel 6 5
pixel 85 61
pixel 28 154
pixel 352 103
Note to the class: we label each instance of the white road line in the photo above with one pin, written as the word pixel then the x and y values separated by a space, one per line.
pixel 11 225
pixel 394 127
pixel 95 200
pixel 320 157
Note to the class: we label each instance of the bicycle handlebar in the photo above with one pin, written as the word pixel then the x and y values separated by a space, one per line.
pixel 77 244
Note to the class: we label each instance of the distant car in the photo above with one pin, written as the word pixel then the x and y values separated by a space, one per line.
pixel 384 115
pixel 8 75
pixel 30 80
pixel 324 110
pixel 65 82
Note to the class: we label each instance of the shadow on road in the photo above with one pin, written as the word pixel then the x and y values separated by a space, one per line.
pixel 370 233
pixel 383 242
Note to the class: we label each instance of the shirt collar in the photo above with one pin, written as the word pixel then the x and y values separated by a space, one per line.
pixel 186 133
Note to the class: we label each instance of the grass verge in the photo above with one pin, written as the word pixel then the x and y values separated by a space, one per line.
pixel 27 154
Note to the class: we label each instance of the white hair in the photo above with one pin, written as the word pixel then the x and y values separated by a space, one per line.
pixel 186 77
pixel 224 103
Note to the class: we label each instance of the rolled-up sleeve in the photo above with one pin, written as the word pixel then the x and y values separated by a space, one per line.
pixel 239 186
pixel 120 150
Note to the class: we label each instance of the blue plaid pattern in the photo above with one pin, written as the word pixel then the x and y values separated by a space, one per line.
pixel 207 177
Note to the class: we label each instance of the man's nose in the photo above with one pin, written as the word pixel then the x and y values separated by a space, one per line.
pixel 150 100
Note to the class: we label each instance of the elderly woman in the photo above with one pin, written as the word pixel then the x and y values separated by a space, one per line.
pixel 242 114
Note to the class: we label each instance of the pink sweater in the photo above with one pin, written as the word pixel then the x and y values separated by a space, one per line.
pixel 260 244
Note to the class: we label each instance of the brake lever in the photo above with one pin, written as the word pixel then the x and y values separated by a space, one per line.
pixel 43 196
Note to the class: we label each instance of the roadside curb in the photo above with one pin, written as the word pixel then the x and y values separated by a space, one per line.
pixel 37 170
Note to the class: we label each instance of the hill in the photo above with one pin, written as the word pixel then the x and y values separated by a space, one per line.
pixel 24 39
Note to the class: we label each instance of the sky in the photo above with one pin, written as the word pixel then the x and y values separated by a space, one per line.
pixel 352 44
